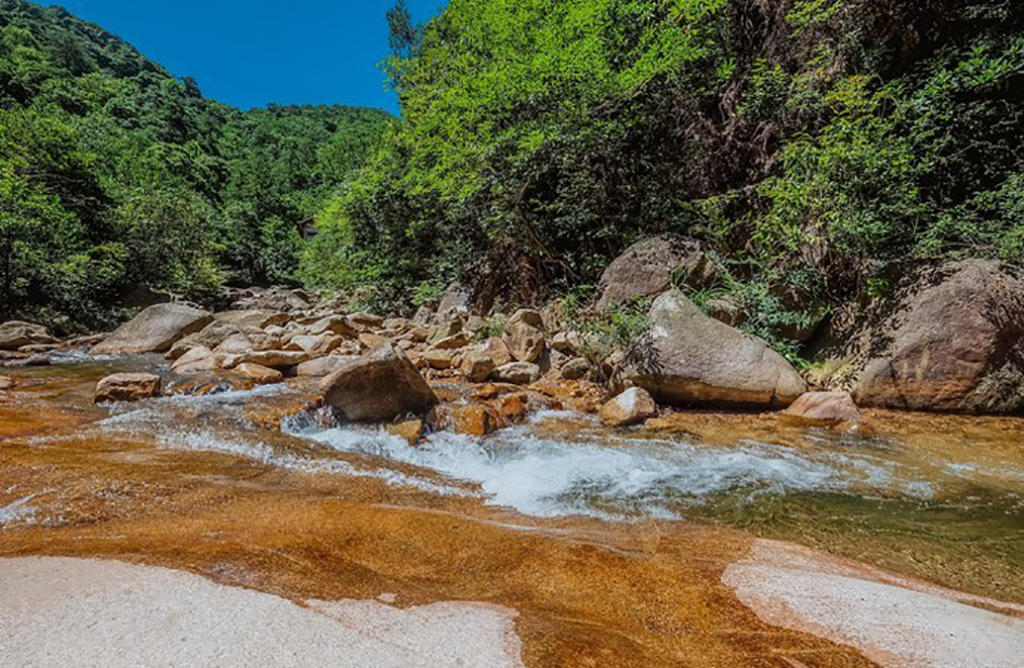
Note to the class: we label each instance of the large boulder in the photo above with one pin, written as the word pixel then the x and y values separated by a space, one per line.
pixel 127 387
pixel 15 334
pixel 689 359
pixel 645 269
pixel 154 330
pixel 378 387
pixel 950 339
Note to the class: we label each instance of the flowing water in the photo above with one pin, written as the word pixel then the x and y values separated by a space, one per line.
pixel 610 544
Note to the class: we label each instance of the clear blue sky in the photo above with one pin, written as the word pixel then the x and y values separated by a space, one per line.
pixel 249 53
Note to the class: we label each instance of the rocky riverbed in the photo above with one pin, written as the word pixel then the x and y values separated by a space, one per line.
pixel 455 489
pixel 551 539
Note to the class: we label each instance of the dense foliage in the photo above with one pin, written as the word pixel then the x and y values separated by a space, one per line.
pixel 115 176
pixel 813 145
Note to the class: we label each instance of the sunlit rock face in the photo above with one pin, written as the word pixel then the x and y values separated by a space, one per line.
pixel 690 359
pixel 950 339
pixel 156 329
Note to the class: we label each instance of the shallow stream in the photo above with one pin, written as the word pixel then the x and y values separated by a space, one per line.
pixel 518 518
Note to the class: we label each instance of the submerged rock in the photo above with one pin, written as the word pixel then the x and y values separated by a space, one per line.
pixel 378 387
pixel 631 407
pixel 154 330
pixel 688 359
pixel 950 339
pixel 127 387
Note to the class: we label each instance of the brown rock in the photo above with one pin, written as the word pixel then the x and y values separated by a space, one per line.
pixel 475 420
pixel 575 369
pixel 378 387
pixel 366 320
pixel 372 341
pixel 6 383
pixel 260 375
pixel 236 344
pixel 336 324
pixel 411 431
pixel 127 387
pixel 253 318
pixel 444 330
pixel 437 359
pixel 830 408
pixel 511 408
pixel 631 407
pixel 154 330
pixel 524 335
pixel 211 336
pixel 478 366
pixel 460 340
pixel 197 359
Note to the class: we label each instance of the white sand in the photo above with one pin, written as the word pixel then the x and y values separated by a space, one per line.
pixel 895 621
pixel 75 612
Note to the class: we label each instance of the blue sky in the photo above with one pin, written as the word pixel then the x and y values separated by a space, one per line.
pixel 252 52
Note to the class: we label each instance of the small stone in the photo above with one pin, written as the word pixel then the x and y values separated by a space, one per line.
pixel 631 407
pixel 260 375
pixel 575 369
pixel 829 408
pixel 411 431
pixel 517 373
pixel 437 359
pixel 475 420
pixel 127 387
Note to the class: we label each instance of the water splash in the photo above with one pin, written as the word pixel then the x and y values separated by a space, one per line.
pixel 617 478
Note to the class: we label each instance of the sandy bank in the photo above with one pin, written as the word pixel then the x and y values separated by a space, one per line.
pixel 61 612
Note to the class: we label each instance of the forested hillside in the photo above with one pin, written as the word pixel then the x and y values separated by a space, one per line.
pixel 115 175
pixel 813 146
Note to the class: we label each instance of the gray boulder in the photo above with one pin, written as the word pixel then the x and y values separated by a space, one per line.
pixel 16 334
pixel 690 359
pixel 154 330
pixel 645 269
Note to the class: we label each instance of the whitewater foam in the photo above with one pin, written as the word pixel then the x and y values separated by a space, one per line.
pixel 620 478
